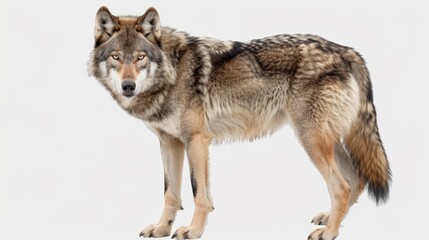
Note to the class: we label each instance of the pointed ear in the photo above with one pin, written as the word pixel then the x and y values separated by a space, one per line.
pixel 105 25
pixel 150 25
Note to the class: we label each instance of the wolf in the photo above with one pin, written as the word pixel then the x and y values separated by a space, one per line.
pixel 196 91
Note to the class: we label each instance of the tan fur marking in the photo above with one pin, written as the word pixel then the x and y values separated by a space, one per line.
pixel 128 72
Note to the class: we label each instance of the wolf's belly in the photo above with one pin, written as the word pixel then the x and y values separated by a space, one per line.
pixel 240 124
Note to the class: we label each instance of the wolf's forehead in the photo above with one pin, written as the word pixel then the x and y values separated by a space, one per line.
pixel 127 20
pixel 130 42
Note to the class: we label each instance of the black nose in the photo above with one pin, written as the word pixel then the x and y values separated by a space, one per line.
pixel 128 87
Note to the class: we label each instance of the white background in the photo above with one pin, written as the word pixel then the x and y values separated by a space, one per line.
pixel 73 165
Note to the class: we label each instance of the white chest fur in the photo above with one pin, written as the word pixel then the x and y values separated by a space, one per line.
pixel 169 124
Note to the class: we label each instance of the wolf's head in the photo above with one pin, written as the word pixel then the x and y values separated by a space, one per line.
pixel 127 53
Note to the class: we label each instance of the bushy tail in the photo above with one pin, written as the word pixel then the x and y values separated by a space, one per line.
pixel 364 143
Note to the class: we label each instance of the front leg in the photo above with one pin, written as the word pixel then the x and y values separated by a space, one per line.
pixel 197 152
pixel 172 152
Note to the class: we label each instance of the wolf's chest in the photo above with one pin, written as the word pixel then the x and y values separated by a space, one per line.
pixel 169 125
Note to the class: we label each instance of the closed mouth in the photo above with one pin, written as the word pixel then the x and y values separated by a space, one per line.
pixel 128 95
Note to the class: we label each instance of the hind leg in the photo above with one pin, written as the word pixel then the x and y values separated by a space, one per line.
pixel 357 185
pixel 320 149
pixel 344 162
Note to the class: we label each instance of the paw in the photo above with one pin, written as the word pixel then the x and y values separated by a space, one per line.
pixel 322 234
pixel 156 231
pixel 321 218
pixel 187 233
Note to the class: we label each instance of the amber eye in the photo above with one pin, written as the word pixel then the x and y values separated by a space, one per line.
pixel 115 56
pixel 141 57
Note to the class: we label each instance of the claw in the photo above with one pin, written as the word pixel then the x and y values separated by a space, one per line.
pixel 141 234
pixel 174 235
